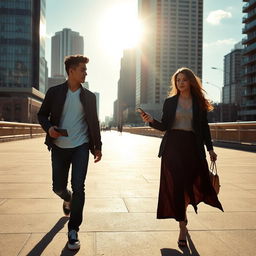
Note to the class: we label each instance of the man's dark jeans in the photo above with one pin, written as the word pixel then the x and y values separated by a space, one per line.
pixel 61 160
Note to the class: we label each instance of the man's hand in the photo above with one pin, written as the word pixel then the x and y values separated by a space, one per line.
pixel 97 156
pixel 54 134
pixel 213 155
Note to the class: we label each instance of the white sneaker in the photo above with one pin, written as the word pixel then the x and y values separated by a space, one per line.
pixel 73 241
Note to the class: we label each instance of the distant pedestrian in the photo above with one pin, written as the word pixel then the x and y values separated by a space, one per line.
pixel 69 117
pixel 120 128
pixel 184 169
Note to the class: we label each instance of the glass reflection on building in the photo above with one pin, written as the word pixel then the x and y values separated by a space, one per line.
pixel 22 63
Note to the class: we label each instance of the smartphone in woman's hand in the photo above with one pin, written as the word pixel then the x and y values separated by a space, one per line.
pixel 141 111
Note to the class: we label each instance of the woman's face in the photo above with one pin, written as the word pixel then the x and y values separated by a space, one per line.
pixel 182 83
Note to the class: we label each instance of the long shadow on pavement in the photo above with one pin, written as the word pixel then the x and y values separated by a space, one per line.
pixel 186 251
pixel 43 243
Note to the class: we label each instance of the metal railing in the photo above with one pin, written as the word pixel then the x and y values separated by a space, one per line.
pixel 235 132
pixel 14 131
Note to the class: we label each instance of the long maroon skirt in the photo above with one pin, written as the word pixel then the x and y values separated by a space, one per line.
pixel 184 177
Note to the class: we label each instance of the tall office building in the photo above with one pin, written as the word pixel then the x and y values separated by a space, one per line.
pixel 231 91
pixel 232 76
pixel 172 39
pixel 64 43
pixel 126 87
pixel 248 107
pixel 22 64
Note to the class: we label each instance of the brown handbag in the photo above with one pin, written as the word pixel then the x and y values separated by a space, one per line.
pixel 214 177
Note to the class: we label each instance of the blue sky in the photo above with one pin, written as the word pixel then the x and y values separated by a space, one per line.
pixel 222 29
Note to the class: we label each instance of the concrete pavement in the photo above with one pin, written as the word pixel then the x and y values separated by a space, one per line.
pixel 121 199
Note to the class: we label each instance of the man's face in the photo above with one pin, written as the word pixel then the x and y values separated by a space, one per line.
pixel 78 73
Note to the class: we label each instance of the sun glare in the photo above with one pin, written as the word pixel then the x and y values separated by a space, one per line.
pixel 121 28
pixel 42 29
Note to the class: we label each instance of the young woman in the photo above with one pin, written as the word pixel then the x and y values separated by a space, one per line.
pixel 184 169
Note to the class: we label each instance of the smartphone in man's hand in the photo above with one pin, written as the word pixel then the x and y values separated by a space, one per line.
pixel 63 132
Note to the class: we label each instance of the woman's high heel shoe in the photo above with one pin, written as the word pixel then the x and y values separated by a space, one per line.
pixel 183 242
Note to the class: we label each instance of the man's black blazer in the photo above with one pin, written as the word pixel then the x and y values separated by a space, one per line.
pixel 52 107
pixel 199 124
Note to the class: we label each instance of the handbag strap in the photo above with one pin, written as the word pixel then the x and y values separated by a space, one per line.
pixel 213 167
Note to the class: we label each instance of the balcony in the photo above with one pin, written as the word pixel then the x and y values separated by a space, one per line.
pixel 248 60
pixel 249 27
pixel 249 17
pixel 249 39
pixel 249 92
pixel 248 82
pixel 249 5
pixel 250 103
pixel 250 71
pixel 250 49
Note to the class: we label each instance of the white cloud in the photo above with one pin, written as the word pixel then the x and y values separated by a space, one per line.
pixel 215 17
pixel 224 42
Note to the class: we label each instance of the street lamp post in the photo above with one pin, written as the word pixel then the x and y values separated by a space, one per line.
pixel 220 90
pixel 228 74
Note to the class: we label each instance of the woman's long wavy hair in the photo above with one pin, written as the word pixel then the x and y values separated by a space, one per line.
pixel 195 87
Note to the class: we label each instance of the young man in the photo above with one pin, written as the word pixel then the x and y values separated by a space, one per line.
pixel 71 107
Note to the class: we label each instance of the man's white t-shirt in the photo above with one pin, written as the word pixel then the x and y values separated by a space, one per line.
pixel 73 120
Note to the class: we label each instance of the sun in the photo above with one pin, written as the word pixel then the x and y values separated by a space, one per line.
pixel 120 28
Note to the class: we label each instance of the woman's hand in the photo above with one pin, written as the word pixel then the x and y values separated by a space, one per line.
pixel 213 155
pixel 146 117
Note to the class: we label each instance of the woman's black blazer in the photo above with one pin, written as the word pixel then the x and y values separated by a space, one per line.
pixel 199 124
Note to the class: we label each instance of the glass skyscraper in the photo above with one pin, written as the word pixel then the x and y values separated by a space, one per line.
pixel 64 43
pixel 23 68
pixel 172 39
pixel 22 63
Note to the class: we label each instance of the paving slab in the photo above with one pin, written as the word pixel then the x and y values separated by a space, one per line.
pixel 160 243
pixel 242 241
pixel 46 205
pixel 12 244
pixel 121 200
pixel 56 244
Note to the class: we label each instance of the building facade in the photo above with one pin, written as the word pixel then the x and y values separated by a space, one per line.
pixel 64 43
pixel 232 90
pixel 172 39
pixel 248 105
pixel 20 104
pixel 22 47
pixel 52 81
pixel 232 76
pixel 126 87
pixel 23 68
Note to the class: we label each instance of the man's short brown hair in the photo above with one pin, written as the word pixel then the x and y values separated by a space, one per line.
pixel 73 61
